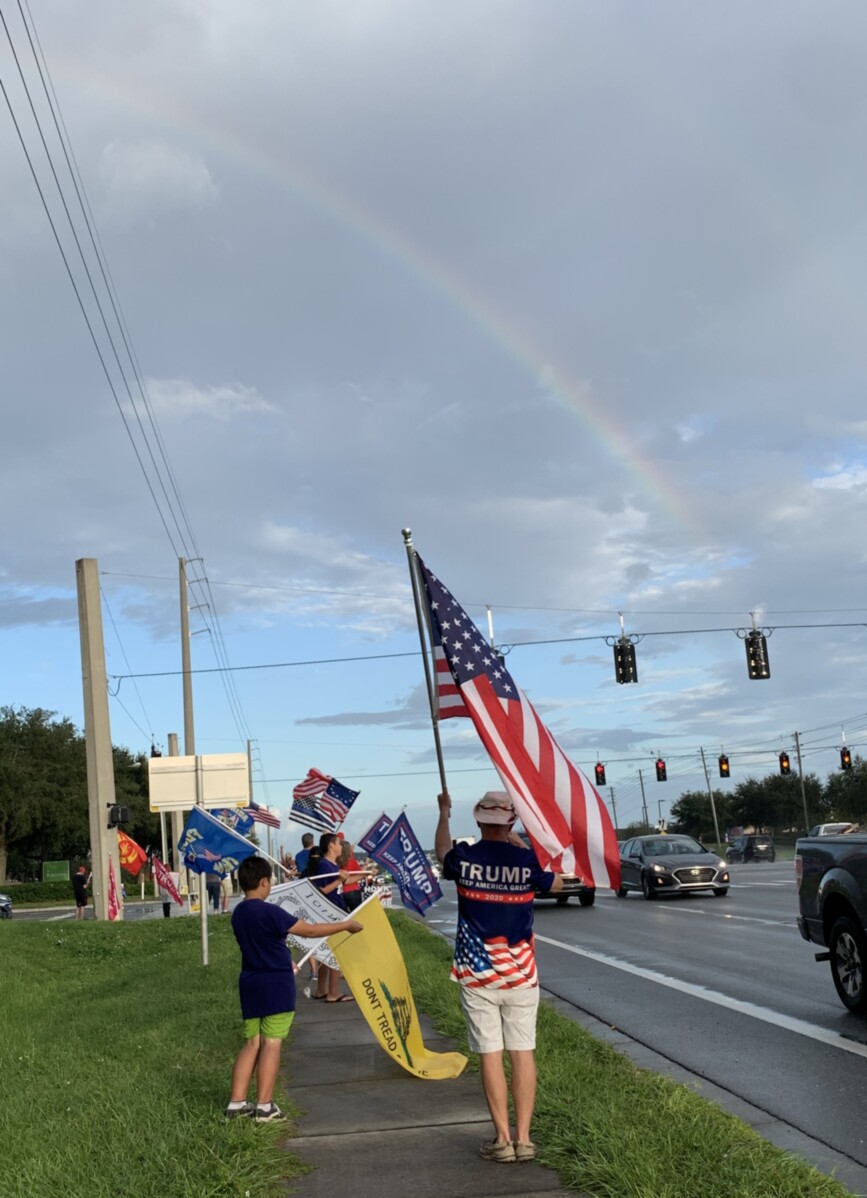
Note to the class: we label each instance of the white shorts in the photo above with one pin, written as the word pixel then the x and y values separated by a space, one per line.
pixel 498 1019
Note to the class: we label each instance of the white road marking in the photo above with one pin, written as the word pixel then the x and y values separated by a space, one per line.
pixel 799 1026
pixel 727 915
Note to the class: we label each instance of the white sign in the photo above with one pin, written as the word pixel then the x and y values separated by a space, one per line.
pixel 213 780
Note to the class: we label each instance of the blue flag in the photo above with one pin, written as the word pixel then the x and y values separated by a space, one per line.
pixel 208 847
pixel 399 851
pixel 374 834
pixel 235 817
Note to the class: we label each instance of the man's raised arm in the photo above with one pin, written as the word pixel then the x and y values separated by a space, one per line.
pixel 443 839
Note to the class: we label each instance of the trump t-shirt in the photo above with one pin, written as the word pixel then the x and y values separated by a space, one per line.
pixel 495 883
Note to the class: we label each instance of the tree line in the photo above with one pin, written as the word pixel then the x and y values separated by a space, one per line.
pixel 774 804
pixel 43 793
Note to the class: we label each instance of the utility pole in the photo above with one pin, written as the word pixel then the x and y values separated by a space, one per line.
pixel 801 777
pixel 97 736
pixel 177 824
pixel 643 800
pixel 189 727
pixel 712 803
pixel 659 805
pixel 613 808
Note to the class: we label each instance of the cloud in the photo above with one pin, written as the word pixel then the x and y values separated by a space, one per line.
pixel 179 399
pixel 142 179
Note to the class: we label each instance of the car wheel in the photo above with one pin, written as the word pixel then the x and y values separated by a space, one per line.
pixel 622 892
pixel 772 857
pixel 646 888
pixel 587 898
pixel 848 955
pixel 720 891
pixel 6 914
pixel 562 900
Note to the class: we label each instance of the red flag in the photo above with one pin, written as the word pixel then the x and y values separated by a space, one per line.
pixel 164 881
pixel 132 855
pixel 113 901
pixel 563 813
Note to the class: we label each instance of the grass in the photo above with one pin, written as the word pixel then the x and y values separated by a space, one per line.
pixel 610 1128
pixel 116 1048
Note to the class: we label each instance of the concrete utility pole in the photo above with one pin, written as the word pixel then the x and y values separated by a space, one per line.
pixel 177 818
pixel 643 800
pixel 801 777
pixel 189 727
pixel 712 803
pixel 613 808
pixel 97 735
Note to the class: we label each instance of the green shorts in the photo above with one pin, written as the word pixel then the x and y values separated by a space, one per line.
pixel 272 1027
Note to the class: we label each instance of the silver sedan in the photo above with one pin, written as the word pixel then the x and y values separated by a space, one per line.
pixel 662 864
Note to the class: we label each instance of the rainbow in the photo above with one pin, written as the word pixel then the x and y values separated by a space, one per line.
pixel 574 395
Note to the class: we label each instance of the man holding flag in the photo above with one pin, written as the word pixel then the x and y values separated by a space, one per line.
pixel 495 961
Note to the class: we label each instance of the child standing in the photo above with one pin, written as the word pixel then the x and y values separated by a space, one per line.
pixel 266 986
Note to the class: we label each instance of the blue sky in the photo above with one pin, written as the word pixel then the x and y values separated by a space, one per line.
pixel 573 291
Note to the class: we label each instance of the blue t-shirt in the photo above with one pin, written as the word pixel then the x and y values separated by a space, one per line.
pixel 267 981
pixel 301 860
pixel 495 883
pixel 334 896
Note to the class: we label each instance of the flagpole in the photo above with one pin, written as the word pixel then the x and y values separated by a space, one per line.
pixel 413 575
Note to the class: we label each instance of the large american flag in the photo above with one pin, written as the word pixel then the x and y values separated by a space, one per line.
pixel 495 963
pixel 562 811
pixel 321 802
pixel 262 815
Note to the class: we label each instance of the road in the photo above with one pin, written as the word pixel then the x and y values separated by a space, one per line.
pixel 723 987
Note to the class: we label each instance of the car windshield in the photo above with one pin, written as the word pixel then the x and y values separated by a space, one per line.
pixel 669 846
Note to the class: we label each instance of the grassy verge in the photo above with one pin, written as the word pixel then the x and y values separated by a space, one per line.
pixel 115 1053
pixel 610 1128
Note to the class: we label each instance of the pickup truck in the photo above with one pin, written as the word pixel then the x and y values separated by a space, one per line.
pixel 831 873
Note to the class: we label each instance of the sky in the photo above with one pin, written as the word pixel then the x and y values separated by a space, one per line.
pixel 572 290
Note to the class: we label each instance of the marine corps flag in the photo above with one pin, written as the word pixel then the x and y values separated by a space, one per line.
pixel 373 966
pixel 132 855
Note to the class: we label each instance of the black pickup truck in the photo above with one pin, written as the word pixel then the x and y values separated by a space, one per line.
pixel 831 873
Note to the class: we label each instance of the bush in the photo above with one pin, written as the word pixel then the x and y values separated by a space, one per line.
pixel 35 892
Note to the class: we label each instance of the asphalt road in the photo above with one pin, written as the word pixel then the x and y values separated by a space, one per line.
pixel 724 987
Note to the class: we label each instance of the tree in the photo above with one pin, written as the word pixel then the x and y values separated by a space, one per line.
pixel 43 789
pixel 846 793
pixel 692 813
pixel 774 802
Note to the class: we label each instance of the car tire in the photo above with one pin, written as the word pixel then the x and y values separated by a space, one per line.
pixel 848 959
pixel 772 857
pixel 562 900
pixel 622 892
pixel 646 888
pixel 587 898
pixel 5 914
pixel 720 891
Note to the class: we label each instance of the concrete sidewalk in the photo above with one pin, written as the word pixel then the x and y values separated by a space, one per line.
pixel 369 1127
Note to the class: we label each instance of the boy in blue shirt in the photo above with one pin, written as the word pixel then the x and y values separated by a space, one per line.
pixel 266 986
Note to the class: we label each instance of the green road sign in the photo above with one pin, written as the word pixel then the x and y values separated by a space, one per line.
pixel 55 871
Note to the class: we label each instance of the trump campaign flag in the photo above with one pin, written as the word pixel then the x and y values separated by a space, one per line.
pixel 207 846
pixel 399 852
pixel 561 810
pixel 375 833
pixel 132 856
pixel 321 802
pixel 234 817
pixel 165 881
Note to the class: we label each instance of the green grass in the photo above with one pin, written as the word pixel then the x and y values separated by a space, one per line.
pixel 116 1048
pixel 610 1128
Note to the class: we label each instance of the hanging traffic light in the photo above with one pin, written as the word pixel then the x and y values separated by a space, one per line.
pixel 661 775
pixel 625 669
pixel 724 771
pixel 758 665
pixel 785 767
pixel 600 774
pixel 845 759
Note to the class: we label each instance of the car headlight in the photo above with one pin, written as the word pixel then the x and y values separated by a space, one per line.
pixel 659 869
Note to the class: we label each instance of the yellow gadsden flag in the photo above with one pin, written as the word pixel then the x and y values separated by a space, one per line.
pixel 373 966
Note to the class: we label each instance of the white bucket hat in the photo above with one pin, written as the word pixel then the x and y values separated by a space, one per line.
pixel 495 807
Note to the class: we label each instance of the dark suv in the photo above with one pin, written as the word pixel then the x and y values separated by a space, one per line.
pixel 573 887
pixel 752 848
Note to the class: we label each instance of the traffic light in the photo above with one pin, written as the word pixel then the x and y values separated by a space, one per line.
pixel 625 669
pixel 758 665
pixel 785 767
pixel 724 771
pixel 845 759
pixel 600 774
pixel 661 775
